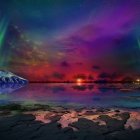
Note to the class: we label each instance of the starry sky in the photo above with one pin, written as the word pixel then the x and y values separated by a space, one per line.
pixel 59 39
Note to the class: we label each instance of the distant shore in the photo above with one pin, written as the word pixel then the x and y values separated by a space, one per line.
pixel 97 82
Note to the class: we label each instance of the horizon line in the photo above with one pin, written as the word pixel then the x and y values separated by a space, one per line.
pixel 97 81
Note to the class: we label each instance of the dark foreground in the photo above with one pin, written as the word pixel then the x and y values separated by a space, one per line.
pixel 57 123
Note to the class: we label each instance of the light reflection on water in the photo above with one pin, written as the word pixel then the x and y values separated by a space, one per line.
pixel 101 95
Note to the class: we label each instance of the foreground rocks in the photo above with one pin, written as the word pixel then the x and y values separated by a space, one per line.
pixel 70 124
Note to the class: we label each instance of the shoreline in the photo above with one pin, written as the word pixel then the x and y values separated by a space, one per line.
pixel 57 122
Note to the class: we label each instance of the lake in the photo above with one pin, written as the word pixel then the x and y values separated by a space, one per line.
pixel 84 95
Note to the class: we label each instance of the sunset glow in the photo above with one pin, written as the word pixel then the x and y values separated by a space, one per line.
pixel 41 42
pixel 79 81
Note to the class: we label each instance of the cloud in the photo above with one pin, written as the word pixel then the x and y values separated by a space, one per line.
pixel 96 68
pixel 111 76
pixel 65 64
pixel 58 75
pixel 104 75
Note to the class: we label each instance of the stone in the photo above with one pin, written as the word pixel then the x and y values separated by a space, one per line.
pixel 113 124
pixel 90 126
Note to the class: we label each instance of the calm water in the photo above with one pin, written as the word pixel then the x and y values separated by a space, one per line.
pixel 99 95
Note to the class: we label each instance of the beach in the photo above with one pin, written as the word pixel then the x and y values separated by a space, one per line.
pixel 43 122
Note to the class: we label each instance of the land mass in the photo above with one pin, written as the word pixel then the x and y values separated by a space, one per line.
pixel 42 122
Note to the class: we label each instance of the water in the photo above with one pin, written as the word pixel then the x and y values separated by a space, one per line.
pixel 86 95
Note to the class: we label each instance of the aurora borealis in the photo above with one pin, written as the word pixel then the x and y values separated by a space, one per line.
pixel 3 28
pixel 58 39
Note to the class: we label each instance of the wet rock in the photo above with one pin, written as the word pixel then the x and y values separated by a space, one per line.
pixel 90 126
pixel 55 118
pixel 134 121
pixel 8 122
pixel 125 116
pixel 78 126
pixel 124 135
pixel 74 114
pixel 89 113
pixel 67 119
pixel 113 124
pixel 5 113
pixel 100 110
pixel 19 127
pixel 82 135
pixel 25 117
pixel 117 111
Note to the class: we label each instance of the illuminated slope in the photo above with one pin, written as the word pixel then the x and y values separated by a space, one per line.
pixel 10 78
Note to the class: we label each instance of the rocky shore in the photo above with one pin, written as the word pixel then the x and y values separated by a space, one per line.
pixel 42 122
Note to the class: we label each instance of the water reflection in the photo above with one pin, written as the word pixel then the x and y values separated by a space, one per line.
pixel 102 95
pixel 10 87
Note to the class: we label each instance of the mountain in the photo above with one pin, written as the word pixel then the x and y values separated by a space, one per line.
pixel 7 77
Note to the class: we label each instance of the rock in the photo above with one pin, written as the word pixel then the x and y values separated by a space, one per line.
pixel 124 135
pixel 67 130
pixel 125 116
pixel 88 112
pixel 26 117
pixel 87 125
pixel 100 110
pixel 67 119
pixel 5 113
pixel 74 114
pixel 77 127
pixel 113 124
pixel 55 118
pixel 82 135
pixel 134 121
pixel 117 111
pixel 8 122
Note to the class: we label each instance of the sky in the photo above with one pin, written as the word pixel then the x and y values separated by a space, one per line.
pixel 59 39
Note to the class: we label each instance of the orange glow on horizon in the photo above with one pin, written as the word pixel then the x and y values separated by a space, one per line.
pixel 79 81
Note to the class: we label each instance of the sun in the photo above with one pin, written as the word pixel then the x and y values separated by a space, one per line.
pixel 79 81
